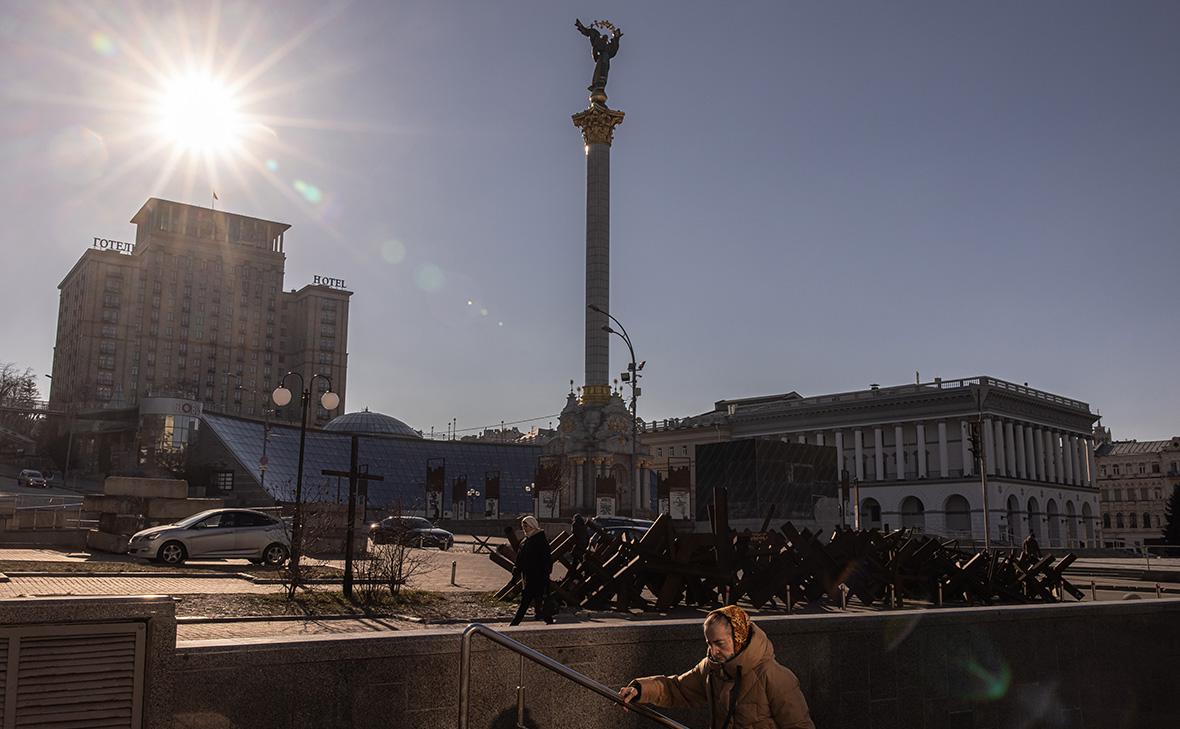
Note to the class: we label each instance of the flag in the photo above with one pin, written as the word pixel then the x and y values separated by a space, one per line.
pixel 215 195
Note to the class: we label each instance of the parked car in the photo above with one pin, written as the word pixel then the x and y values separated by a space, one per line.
pixel 31 478
pixel 411 530
pixel 610 526
pixel 258 537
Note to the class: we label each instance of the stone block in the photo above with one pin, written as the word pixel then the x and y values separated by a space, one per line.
pixel 150 488
pixel 125 524
pixel 104 542
pixel 180 508
pixel 100 504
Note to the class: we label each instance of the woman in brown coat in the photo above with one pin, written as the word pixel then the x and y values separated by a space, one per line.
pixel 739 680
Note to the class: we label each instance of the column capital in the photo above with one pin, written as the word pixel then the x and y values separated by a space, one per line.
pixel 598 124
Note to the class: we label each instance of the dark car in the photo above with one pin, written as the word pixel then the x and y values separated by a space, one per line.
pixel 610 526
pixel 412 530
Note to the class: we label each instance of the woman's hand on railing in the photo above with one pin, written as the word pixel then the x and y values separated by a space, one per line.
pixel 628 694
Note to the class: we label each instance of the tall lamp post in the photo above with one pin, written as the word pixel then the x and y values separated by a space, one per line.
pixel 531 490
pixel 282 397
pixel 631 376
pixel 471 494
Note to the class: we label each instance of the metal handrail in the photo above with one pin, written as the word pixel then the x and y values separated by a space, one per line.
pixel 543 661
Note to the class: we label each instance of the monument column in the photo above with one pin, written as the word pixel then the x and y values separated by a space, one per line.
pixel 598 130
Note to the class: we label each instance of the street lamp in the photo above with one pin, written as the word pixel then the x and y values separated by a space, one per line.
pixel 282 397
pixel 531 490
pixel 471 494
pixel 631 376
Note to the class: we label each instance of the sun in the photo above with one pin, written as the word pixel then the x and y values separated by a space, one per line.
pixel 199 114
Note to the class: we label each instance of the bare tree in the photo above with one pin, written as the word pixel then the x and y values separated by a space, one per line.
pixel 17 390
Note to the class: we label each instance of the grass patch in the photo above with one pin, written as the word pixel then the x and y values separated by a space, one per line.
pixel 430 606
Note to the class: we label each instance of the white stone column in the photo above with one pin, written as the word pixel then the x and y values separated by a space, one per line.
pixel 920 451
pixel 839 452
pixel 579 484
pixel 899 450
pixel 989 448
pixel 858 442
pixel 1093 467
pixel 878 454
pixel 1000 450
pixel 1050 459
pixel 943 466
pixel 1018 439
pixel 801 438
pixel 1079 465
pixel 1067 457
pixel 1009 449
pixel 965 443
pixel 1030 453
pixel 1039 447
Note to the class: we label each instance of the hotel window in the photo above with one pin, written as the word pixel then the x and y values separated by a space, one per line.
pixel 108 331
pixel 106 362
pixel 1155 468
pixel 111 316
pixel 103 392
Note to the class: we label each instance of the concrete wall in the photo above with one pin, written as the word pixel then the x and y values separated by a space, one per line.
pixel 1076 665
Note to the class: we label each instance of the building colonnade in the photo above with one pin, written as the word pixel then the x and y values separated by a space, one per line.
pixel 924 449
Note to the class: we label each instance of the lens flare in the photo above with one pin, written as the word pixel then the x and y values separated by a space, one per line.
pixel 990 684
pixel 102 43
pixel 310 192
pixel 78 155
pixel 429 277
pixel 272 165
pixel 393 251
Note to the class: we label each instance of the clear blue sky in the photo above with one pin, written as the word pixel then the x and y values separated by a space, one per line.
pixel 806 196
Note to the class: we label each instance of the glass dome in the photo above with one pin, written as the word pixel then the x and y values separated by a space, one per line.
pixel 369 423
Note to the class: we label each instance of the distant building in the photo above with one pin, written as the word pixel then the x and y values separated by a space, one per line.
pixel 194 310
pixel 1136 480
pixel 252 463
pixel 908 447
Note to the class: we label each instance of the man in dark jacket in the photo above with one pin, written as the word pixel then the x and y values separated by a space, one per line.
pixel 581 538
pixel 739 680
pixel 1031 547
pixel 534 563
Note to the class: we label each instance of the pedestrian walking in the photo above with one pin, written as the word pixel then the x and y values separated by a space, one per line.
pixel 581 538
pixel 534 563
pixel 1031 546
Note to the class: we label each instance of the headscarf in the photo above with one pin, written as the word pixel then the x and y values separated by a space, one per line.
pixel 739 621
pixel 530 525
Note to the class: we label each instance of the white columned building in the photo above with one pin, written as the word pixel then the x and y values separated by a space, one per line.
pixel 1037 445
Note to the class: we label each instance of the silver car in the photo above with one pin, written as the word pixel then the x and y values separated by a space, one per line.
pixel 258 537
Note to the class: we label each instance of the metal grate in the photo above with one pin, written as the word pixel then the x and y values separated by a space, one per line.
pixel 73 676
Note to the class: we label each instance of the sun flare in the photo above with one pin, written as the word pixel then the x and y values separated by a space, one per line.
pixel 199 113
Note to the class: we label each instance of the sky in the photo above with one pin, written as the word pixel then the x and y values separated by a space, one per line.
pixel 805 196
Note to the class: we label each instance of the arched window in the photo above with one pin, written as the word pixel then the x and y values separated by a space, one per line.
pixel 1147 520
pixel 1106 521
pixel 913 513
pixel 1134 520
pixel 1034 517
pixel 958 514
pixel 870 513
pixel 1118 521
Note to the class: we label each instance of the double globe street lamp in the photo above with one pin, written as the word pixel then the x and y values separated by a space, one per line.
pixel 282 397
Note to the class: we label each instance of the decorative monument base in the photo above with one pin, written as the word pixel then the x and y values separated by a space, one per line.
pixel 593 453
